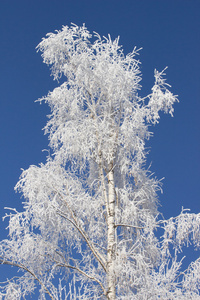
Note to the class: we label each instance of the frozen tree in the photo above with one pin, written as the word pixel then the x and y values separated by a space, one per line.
pixel 90 228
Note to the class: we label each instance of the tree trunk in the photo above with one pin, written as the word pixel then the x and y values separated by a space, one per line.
pixel 111 236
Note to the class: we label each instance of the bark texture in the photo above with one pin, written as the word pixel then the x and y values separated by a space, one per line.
pixel 111 236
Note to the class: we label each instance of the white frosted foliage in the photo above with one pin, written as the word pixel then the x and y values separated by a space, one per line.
pixel 90 225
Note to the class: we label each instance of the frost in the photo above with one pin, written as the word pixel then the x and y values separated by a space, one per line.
pixel 88 228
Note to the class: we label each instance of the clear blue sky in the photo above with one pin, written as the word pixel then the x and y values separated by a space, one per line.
pixel 168 31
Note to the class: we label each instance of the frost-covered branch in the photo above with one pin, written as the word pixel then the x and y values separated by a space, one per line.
pixel 128 225
pixel 63 265
pixel 22 267
pixel 96 253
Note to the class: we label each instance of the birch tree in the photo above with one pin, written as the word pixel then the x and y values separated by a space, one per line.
pixel 89 227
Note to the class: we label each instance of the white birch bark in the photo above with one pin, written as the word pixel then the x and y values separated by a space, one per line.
pixel 111 236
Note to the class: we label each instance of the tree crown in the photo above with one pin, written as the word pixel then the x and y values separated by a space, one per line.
pixel 91 209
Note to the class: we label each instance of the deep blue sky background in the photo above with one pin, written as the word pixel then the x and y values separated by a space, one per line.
pixel 168 31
